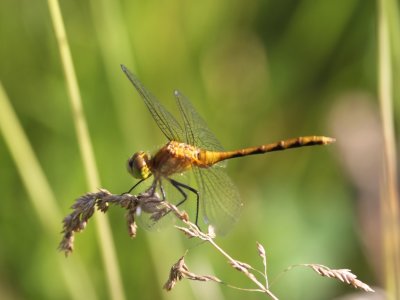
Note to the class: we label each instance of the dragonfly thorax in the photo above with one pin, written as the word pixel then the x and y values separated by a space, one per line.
pixel 174 158
pixel 138 166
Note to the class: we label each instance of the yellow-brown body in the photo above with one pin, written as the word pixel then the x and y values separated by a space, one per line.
pixel 177 157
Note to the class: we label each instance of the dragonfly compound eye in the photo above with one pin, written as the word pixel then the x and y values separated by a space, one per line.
pixel 137 165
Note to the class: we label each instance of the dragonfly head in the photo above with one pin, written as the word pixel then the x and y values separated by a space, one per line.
pixel 138 166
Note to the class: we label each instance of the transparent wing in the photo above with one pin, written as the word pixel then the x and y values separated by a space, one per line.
pixel 196 130
pixel 219 199
pixel 164 119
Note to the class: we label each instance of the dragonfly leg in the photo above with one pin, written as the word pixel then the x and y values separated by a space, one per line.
pixel 153 187
pixel 162 191
pixel 180 186
pixel 135 185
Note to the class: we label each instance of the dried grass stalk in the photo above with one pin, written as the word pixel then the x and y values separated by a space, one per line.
pixel 150 202
pixel 344 275
pixel 180 270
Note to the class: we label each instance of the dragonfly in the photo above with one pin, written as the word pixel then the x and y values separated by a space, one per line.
pixel 192 146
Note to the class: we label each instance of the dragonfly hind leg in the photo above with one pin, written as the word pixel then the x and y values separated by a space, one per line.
pixel 180 186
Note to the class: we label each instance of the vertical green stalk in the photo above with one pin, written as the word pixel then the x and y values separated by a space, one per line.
pixel 103 229
pixel 41 196
pixel 389 195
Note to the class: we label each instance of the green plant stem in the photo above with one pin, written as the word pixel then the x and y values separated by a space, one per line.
pixel 103 229
pixel 389 197
pixel 41 196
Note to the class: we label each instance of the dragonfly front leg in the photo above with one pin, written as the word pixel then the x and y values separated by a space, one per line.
pixel 135 185
pixel 180 186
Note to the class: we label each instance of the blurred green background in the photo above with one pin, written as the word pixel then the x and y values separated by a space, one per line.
pixel 258 72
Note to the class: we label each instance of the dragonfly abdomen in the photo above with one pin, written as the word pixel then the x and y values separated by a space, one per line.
pixel 213 157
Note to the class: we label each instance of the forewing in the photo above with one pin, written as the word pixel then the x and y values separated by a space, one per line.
pixel 164 119
pixel 219 198
pixel 196 130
